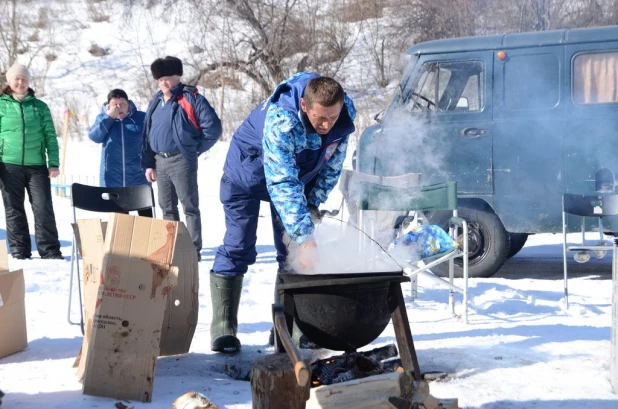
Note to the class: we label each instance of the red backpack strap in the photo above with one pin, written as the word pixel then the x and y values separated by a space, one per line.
pixel 188 108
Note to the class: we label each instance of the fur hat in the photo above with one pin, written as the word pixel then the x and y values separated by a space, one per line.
pixel 166 67
pixel 17 69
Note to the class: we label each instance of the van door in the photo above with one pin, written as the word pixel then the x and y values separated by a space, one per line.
pixel 452 93
pixel 528 128
pixel 591 138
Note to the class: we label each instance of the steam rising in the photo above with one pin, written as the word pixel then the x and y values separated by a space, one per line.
pixel 403 147
pixel 343 249
pixel 406 144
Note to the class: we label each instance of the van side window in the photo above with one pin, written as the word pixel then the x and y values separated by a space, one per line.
pixel 595 78
pixel 448 87
pixel 527 87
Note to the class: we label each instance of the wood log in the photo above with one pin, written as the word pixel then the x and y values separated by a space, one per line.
pixel 274 384
pixel 377 392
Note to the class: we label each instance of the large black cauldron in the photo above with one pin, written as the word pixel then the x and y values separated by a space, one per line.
pixel 342 312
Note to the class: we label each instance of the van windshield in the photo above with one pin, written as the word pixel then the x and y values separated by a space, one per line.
pixel 407 79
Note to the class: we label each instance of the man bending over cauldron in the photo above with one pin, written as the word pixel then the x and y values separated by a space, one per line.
pixel 289 152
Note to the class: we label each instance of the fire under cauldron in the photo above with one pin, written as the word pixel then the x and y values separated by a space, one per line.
pixel 342 312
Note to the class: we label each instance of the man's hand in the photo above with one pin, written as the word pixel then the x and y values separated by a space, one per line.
pixel 53 172
pixel 307 256
pixel 316 216
pixel 113 112
pixel 151 175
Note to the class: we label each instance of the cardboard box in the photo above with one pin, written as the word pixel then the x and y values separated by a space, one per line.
pixel 181 313
pixel 13 335
pixel 135 280
pixel 92 249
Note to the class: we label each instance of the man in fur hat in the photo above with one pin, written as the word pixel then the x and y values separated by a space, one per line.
pixel 180 125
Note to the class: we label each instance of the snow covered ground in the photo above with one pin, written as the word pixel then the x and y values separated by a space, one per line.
pixel 521 349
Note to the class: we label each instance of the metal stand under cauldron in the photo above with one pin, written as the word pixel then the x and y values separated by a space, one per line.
pixel 341 312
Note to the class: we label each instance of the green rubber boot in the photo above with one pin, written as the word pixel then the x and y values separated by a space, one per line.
pixel 225 293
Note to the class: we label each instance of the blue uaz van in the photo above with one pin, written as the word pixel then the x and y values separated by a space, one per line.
pixel 517 120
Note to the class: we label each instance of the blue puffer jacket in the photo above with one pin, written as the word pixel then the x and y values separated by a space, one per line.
pixel 122 147
pixel 191 141
pixel 276 154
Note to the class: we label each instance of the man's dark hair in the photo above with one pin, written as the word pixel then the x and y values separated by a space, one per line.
pixel 324 91
pixel 117 93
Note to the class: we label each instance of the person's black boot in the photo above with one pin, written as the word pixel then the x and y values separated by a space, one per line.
pixel 225 294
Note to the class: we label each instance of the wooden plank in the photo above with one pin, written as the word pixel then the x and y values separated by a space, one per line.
pixel 375 391
pixel 182 309
pixel 365 393
pixel 401 324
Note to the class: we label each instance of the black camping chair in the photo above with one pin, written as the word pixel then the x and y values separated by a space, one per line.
pixel 102 200
pixel 594 206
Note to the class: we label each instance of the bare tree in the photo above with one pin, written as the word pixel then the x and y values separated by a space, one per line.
pixel 267 40
pixel 11 25
pixel 20 28
pixel 333 40
pixel 542 15
pixel 375 39
pixel 437 19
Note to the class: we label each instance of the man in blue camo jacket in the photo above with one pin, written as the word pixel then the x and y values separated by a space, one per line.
pixel 289 152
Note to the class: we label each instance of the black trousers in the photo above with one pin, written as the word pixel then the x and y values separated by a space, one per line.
pixel 16 180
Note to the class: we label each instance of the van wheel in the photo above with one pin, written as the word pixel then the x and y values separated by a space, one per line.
pixel 488 241
pixel 518 241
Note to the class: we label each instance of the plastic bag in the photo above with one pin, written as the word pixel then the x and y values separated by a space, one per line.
pixel 424 241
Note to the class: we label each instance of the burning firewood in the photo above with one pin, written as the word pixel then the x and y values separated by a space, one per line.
pixel 352 365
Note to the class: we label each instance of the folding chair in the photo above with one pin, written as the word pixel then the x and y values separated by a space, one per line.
pixel 586 206
pixel 420 199
pixel 102 200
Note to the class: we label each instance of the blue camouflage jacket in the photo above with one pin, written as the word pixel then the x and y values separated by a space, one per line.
pixel 191 141
pixel 122 147
pixel 276 154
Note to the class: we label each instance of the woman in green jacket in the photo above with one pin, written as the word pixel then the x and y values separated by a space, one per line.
pixel 28 159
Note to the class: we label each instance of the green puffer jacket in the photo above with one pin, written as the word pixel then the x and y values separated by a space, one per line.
pixel 27 133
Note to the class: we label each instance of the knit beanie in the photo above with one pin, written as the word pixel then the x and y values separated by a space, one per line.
pixel 17 69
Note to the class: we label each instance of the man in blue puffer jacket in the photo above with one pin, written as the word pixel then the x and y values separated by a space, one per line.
pixel 180 125
pixel 289 152
pixel 119 128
